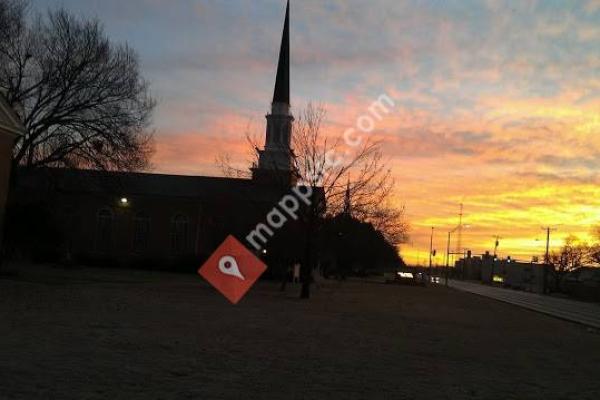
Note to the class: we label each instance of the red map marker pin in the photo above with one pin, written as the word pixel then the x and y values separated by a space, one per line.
pixel 232 269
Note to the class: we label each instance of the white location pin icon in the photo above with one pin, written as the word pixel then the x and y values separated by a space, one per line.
pixel 228 266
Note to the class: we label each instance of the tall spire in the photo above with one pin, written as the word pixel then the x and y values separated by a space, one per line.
pixel 275 160
pixel 282 84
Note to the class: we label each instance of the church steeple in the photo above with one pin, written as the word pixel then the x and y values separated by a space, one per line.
pixel 275 160
pixel 281 93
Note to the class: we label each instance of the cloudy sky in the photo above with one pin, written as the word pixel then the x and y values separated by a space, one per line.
pixel 497 102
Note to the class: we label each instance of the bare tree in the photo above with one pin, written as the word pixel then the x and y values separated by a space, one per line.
pixel 226 164
pixel 12 20
pixel 331 168
pixel 363 172
pixel 391 221
pixel 593 256
pixel 571 256
pixel 338 169
pixel 228 169
pixel 80 96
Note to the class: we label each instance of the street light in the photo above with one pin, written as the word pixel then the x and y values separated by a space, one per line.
pixel 448 248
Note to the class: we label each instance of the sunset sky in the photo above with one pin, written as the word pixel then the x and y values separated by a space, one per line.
pixel 497 102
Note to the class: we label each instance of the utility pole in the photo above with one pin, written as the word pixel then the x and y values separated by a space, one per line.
pixel 447 258
pixel 430 251
pixel 496 244
pixel 548 229
pixel 459 233
pixel 459 227
pixel 547 257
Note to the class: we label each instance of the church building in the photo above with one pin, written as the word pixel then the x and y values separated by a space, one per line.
pixel 158 221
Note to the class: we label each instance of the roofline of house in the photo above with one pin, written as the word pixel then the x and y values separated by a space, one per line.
pixel 17 129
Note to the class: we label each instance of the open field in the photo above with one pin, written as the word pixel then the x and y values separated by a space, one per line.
pixel 96 334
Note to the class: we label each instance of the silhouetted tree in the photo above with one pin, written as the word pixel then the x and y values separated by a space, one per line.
pixel 593 256
pixel 363 171
pixel 357 246
pixel 333 166
pixel 330 167
pixel 572 255
pixel 12 22
pixel 81 97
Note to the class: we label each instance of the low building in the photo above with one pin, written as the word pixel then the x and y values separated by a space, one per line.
pixel 506 272
pixel 10 129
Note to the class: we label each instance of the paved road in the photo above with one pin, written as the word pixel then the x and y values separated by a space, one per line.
pixel 580 312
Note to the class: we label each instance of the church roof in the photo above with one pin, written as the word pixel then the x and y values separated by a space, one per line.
pixel 144 184
pixel 282 84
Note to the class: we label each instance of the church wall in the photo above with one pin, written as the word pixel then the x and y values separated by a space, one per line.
pixel 97 228
pixel 209 222
pixel 100 228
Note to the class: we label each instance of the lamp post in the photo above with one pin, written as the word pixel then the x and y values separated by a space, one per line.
pixel 448 249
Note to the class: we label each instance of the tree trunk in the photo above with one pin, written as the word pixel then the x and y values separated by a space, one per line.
pixel 284 281
pixel 306 268
pixel 305 273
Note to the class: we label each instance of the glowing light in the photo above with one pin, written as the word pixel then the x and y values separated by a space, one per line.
pixel 124 200
pixel 498 279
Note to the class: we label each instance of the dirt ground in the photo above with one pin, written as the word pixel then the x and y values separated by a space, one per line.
pixel 107 334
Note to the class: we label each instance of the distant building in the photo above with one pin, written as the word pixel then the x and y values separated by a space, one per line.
pixel 506 272
pixel 10 129
pixel 147 219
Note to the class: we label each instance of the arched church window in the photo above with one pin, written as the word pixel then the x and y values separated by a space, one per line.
pixel 104 227
pixel 141 232
pixel 179 234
